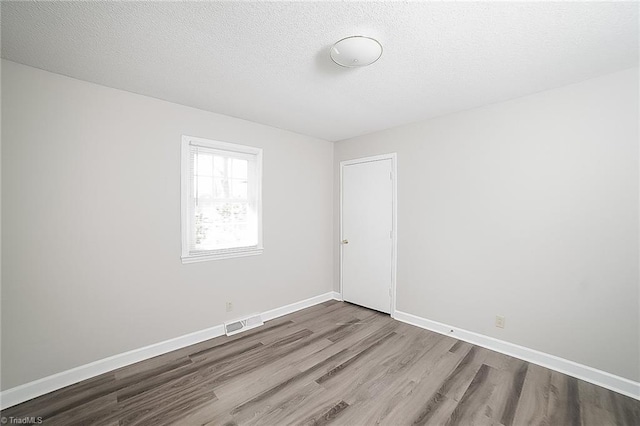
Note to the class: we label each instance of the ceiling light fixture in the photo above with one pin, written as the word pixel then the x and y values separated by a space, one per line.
pixel 356 51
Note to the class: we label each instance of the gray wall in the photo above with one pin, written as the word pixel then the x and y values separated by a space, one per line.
pixel 91 224
pixel 527 209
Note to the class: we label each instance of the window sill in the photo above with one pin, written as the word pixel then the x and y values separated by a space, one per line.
pixel 220 256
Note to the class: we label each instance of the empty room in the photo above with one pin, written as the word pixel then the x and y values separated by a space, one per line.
pixel 309 213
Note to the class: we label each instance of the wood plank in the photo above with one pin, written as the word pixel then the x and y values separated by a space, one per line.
pixel 328 416
pixel 457 383
pixel 595 405
pixel 97 412
pixel 506 396
pixel 534 398
pixel 626 410
pixel 473 408
pixel 559 406
pixel 425 378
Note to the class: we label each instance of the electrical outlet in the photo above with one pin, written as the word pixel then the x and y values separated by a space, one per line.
pixel 499 321
pixel 229 306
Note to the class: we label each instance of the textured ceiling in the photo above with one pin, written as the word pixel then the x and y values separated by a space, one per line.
pixel 269 62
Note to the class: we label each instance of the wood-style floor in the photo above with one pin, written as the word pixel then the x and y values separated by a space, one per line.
pixel 333 363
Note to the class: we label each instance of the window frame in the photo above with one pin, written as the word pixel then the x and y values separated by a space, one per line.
pixel 185 199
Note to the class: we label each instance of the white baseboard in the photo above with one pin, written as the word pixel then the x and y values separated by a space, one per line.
pixel 583 372
pixel 288 309
pixel 22 393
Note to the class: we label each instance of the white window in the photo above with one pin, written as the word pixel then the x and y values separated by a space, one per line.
pixel 221 200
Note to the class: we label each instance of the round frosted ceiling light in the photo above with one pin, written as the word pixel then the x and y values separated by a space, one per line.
pixel 356 51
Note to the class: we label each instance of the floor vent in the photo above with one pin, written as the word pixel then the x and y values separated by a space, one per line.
pixel 244 324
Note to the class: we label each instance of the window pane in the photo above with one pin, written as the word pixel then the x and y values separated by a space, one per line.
pixel 231 212
pixel 204 166
pixel 203 225
pixel 221 188
pixel 219 166
pixel 239 169
pixel 224 225
pixel 203 187
pixel 239 189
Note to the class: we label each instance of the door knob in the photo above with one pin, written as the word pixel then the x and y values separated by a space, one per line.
pixel 345 241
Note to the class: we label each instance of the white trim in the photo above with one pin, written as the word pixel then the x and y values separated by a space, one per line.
pixel 184 196
pixel 394 240
pixel 185 183
pixel 293 307
pixel 22 393
pixel 589 374
pixel 219 256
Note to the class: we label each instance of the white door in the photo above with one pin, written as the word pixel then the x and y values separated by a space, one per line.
pixel 367 240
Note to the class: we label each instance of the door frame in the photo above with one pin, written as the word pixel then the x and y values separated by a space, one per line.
pixel 394 222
